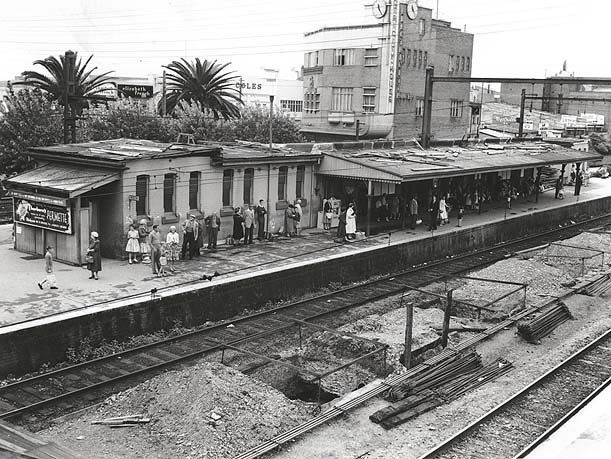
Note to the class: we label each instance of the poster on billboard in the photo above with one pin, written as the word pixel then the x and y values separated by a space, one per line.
pixel 42 215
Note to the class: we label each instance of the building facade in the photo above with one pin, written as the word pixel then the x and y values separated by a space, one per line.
pixel 373 75
pixel 106 186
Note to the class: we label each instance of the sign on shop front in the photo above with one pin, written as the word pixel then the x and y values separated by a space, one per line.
pixel 43 215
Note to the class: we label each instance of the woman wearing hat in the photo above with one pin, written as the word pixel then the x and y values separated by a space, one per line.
pixel 94 258
pixel 238 228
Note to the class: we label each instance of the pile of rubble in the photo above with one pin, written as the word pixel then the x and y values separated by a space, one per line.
pixel 208 410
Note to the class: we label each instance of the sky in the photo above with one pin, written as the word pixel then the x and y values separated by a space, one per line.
pixel 519 38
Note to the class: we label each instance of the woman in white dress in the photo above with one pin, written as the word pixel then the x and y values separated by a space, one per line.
pixel 350 222
pixel 443 210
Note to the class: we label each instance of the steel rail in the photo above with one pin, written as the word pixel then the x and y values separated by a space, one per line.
pixel 487 259
pixel 494 411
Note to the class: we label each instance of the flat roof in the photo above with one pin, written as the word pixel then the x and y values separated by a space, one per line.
pixel 410 163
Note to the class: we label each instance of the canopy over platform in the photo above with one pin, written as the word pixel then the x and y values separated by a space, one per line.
pixel 62 180
pixel 410 163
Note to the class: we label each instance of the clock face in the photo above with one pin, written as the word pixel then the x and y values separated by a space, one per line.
pixel 412 10
pixel 379 8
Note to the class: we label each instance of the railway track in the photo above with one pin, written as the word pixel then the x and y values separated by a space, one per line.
pixel 533 413
pixel 64 386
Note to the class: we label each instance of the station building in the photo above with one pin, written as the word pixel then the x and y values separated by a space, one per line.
pixel 373 75
pixel 104 186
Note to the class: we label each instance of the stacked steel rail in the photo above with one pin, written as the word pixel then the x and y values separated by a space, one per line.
pixel 543 324
pixel 526 417
pixel 62 387
pixel 437 385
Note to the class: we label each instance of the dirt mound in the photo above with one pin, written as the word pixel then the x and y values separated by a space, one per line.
pixel 208 410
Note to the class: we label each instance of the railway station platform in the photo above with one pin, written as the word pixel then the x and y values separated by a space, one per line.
pixel 36 325
pixel 587 434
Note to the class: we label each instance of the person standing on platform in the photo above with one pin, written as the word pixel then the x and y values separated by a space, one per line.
pixel 327 215
pixel 190 228
pixel 413 212
pixel 49 277
pixel 94 256
pixel 461 213
pixel 133 245
pixel 199 239
pixel 172 242
pixel 155 238
pixel 238 227
pixel 433 213
pixel 558 186
pixel 289 220
pixel 249 223
pixel 143 236
pixel 260 211
pixel 350 222
pixel 578 183
pixel 443 210
pixel 213 224
pixel 341 227
pixel 298 215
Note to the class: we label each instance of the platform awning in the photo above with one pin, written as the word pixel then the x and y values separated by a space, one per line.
pixel 61 180
pixel 407 164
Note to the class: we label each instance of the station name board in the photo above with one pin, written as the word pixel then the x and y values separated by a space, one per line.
pixel 43 215
pixel 135 91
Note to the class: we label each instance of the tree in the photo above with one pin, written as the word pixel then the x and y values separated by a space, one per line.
pixel 54 85
pixel 30 119
pixel 205 83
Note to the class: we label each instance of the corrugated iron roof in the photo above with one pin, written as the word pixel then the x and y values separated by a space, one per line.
pixel 123 150
pixel 410 163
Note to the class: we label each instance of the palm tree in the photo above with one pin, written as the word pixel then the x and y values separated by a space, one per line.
pixel 54 85
pixel 205 83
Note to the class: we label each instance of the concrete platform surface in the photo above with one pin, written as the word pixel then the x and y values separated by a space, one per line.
pixel 587 435
pixel 23 301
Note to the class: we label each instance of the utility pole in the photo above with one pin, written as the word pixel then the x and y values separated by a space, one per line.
pixel 164 105
pixel 428 108
pixel 409 324
pixel 358 128
pixel 271 119
pixel 522 103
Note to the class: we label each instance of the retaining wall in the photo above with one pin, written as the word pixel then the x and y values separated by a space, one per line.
pixel 27 349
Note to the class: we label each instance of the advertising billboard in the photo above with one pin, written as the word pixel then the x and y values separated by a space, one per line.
pixel 43 215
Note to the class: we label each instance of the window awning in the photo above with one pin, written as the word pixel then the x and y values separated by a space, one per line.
pixel 62 179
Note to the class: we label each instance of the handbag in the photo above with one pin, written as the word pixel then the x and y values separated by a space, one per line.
pixel 418 221
pixel 89 258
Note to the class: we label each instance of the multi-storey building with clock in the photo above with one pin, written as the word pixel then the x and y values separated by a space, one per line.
pixel 373 75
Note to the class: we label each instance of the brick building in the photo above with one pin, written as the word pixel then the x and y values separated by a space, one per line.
pixel 599 96
pixel 375 73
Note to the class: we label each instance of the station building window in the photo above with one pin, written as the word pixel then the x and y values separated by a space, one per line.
pixel 169 193
pixel 227 187
pixel 194 179
pixel 300 181
pixel 283 173
pixel 249 184
pixel 408 58
pixel 142 191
